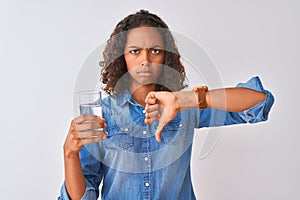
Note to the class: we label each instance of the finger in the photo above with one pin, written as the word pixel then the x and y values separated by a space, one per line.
pixel 72 126
pixel 87 126
pixel 150 108
pixel 86 117
pixel 152 113
pixel 152 116
pixel 73 133
pixel 92 140
pixel 92 134
pixel 151 120
pixel 150 98
pixel 102 121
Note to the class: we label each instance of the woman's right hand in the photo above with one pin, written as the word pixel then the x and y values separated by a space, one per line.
pixel 84 129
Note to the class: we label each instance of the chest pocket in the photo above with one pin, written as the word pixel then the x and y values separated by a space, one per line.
pixel 174 132
pixel 119 137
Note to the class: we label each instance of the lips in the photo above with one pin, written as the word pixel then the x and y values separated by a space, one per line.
pixel 145 73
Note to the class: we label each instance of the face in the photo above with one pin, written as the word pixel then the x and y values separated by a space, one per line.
pixel 144 55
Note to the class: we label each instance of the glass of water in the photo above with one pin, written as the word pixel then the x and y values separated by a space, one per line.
pixel 90 102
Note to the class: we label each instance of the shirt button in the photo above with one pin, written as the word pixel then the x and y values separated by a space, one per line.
pixel 144 132
pixel 143 111
pixel 147 184
pixel 146 158
pixel 126 129
pixel 180 125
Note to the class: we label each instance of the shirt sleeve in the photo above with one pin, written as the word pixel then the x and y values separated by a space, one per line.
pixel 89 194
pixel 92 171
pixel 257 113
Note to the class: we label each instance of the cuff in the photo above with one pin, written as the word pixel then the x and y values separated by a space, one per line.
pixel 89 194
pixel 260 111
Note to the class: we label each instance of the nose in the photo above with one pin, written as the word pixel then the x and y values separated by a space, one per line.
pixel 145 57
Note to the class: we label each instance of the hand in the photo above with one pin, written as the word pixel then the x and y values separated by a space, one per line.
pixel 161 106
pixel 84 129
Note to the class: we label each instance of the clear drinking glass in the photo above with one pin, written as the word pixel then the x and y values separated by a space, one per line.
pixel 90 102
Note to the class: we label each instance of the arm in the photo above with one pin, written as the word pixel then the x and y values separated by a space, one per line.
pixel 229 99
pixel 74 178
pixel 80 133
pixel 246 96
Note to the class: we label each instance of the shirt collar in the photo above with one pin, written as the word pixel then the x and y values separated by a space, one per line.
pixel 125 97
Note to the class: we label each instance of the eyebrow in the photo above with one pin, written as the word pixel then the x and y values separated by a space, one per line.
pixel 152 47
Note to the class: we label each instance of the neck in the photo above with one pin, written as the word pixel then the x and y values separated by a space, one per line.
pixel 139 93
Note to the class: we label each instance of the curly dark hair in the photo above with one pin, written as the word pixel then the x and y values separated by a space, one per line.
pixel 114 68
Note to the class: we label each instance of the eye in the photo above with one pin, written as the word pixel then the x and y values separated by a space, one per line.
pixel 134 51
pixel 156 51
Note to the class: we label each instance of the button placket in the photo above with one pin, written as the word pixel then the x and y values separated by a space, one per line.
pixel 146 163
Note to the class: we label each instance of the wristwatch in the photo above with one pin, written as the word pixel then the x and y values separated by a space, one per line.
pixel 201 91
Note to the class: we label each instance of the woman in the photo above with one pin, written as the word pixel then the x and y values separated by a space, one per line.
pixel 144 150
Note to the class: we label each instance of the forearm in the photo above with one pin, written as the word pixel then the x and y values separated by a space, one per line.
pixel 233 99
pixel 229 99
pixel 74 178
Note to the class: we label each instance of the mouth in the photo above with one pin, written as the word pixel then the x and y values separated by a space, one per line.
pixel 145 73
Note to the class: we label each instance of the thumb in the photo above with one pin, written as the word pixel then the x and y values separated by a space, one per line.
pixel 161 125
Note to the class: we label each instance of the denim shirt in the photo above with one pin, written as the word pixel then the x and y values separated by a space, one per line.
pixel 132 165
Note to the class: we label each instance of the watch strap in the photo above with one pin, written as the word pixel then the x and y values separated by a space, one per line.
pixel 201 93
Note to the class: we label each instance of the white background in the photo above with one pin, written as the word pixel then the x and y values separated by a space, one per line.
pixel 43 45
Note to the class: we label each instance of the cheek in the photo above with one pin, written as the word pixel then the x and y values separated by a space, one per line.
pixel 160 59
pixel 157 69
pixel 159 64
pixel 130 63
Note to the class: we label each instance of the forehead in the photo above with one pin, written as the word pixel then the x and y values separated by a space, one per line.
pixel 144 37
